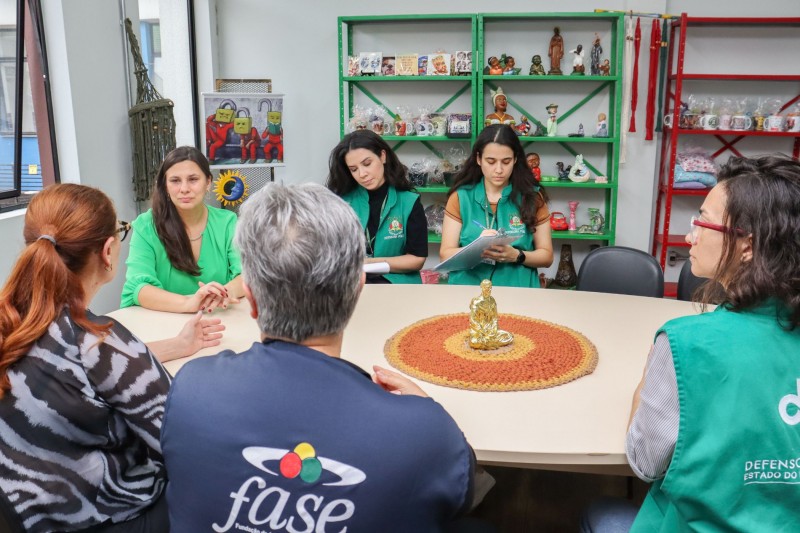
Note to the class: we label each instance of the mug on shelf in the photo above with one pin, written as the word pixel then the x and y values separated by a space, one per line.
pixel 759 121
pixel 725 122
pixel 793 123
pixel 741 122
pixel 774 123
pixel 708 122
pixel 689 121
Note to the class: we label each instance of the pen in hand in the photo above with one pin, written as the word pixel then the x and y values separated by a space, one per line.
pixel 479 224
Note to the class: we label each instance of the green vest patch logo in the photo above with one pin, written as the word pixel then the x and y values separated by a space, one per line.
pixel 395 226
pixel 515 222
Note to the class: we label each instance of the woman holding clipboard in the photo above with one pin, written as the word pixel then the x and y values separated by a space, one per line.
pixel 495 190
pixel 367 174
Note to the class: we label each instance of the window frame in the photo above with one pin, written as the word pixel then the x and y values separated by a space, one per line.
pixel 30 38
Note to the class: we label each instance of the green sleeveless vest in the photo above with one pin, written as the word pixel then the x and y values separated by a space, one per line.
pixel 736 465
pixel 390 240
pixel 474 206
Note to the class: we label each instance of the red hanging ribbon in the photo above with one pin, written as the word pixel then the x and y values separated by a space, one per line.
pixel 637 41
pixel 655 52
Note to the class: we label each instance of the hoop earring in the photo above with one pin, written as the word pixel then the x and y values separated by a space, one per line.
pixel 109 267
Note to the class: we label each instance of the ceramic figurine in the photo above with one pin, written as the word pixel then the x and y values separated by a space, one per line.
pixel 573 205
pixel 580 132
pixel 595 56
pixel 556 52
pixel 537 69
pixel 605 68
pixel 533 163
pixel 578 172
pixel 566 275
pixel 494 68
pixel 563 173
pixel 500 105
pixel 524 127
pixel 596 220
pixel 483 331
pixel 602 126
pixel 552 120
pixel 577 62
pixel 509 69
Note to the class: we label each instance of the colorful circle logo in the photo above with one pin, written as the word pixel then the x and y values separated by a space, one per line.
pixel 303 462
pixel 231 188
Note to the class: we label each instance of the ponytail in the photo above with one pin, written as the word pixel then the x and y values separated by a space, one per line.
pixel 65 225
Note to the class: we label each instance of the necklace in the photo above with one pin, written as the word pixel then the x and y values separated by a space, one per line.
pixel 196 238
pixel 202 231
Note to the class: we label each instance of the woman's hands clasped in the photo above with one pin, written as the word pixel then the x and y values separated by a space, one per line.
pixel 209 297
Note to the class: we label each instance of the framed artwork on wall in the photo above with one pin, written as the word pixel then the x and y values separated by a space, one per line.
pixel 243 129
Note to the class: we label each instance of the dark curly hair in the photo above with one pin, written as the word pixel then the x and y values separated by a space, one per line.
pixel 763 201
pixel 340 179
pixel 526 194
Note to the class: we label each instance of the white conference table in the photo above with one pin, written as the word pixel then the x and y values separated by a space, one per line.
pixel 579 426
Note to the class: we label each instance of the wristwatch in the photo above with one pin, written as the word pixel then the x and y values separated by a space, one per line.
pixel 520 257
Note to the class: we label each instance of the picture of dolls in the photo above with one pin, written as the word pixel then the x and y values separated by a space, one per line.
pixel 439 65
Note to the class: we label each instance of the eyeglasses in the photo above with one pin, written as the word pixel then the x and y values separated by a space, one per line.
pixel 697 223
pixel 124 228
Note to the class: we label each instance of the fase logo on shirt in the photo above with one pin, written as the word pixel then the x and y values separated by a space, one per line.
pixel 266 504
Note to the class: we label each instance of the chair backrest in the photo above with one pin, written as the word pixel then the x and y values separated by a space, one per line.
pixel 688 282
pixel 621 270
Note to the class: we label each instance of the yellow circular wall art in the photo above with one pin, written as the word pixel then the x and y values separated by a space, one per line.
pixel 231 188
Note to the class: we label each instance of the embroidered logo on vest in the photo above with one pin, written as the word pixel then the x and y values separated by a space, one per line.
pixel 395 226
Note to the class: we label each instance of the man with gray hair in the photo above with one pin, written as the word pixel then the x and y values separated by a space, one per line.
pixel 286 436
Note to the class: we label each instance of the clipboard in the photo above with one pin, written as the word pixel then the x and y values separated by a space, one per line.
pixel 470 255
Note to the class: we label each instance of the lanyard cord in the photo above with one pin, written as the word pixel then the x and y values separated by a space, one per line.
pixel 371 238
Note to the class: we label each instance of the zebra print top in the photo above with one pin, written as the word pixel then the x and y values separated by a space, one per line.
pixel 80 427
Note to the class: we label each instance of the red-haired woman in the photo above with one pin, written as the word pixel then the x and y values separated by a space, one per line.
pixel 81 398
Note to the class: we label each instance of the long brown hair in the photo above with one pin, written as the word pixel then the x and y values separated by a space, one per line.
pixel 45 277
pixel 169 226
pixel 526 194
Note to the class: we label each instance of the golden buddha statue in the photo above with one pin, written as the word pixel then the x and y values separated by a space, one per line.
pixel 483 332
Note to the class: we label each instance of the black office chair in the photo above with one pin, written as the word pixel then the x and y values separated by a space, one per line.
pixel 688 282
pixel 621 270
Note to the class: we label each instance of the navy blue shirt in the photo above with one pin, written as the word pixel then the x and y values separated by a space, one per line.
pixel 285 438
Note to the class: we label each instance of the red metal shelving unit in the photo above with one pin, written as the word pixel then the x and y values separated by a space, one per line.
pixel 666 192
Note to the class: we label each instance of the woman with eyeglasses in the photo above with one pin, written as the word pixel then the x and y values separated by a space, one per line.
pixel 81 398
pixel 368 175
pixel 715 423
pixel 182 257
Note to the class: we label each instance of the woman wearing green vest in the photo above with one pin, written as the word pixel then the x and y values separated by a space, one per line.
pixel 715 423
pixel 367 174
pixel 182 257
pixel 495 190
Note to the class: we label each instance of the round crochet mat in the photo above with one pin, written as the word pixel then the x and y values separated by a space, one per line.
pixel 542 355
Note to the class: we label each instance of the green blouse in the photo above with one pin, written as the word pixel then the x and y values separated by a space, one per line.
pixel 148 263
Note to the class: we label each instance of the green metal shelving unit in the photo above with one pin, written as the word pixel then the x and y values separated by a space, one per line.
pixel 477 84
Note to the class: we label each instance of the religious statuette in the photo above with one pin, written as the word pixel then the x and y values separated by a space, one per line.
pixel 483 332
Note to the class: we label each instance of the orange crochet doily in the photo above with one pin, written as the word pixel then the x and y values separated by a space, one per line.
pixel 542 355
